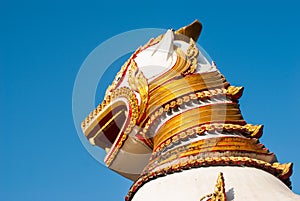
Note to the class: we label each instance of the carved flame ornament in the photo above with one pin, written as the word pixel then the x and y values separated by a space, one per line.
pixel 219 193
pixel 138 82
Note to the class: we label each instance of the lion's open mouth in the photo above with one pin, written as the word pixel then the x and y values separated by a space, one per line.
pixel 105 130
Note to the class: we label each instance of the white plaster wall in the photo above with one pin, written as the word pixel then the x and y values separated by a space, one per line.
pixel 241 184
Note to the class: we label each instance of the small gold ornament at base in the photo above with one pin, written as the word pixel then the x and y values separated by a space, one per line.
pixel 219 194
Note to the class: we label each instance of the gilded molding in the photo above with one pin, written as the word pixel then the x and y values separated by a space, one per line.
pixel 281 171
pixel 234 144
pixel 185 85
pixel 248 130
pixel 201 96
pixel 217 113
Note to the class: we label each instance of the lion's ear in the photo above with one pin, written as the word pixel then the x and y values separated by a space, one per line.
pixel 165 47
pixel 192 30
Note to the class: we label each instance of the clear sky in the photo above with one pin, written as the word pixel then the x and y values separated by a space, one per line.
pixel 43 44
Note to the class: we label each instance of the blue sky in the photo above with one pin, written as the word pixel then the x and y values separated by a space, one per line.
pixel 43 44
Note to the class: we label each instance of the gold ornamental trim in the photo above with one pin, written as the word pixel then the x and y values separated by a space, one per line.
pixel 281 171
pixel 91 122
pixel 185 85
pixel 170 92
pixel 220 144
pixel 232 92
pixel 248 130
pixel 219 193
pixel 134 110
pixel 139 83
pixel 221 112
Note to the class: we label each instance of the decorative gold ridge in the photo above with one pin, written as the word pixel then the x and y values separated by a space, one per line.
pixel 248 130
pixel 222 112
pixel 189 84
pixel 232 92
pixel 139 83
pixel 222 146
